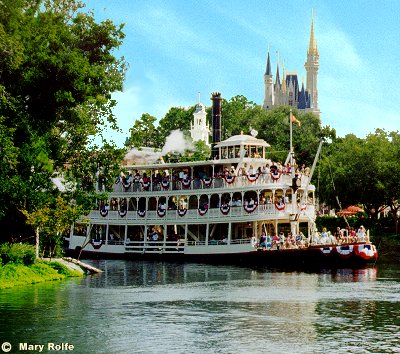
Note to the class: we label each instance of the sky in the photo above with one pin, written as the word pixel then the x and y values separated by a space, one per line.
pixel 178 49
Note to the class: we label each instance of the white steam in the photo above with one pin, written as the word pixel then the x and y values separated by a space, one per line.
pixel 142 156
pixel 176 142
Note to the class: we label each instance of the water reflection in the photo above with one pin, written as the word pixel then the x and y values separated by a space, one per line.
pixel 117 273
pixel 153 307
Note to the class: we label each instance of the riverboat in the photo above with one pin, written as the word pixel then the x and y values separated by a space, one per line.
pixel 238 206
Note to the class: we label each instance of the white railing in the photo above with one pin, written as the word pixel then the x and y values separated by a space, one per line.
pixel 154 246
pixel 212 183
pixel 265 211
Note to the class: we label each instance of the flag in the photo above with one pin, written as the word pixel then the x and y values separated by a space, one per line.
pixel 295 120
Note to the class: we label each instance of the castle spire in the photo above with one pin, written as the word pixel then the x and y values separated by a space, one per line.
pixel 284 77
pixel 268 69
pixel 277 77
pixel 312 48
pixel 312 65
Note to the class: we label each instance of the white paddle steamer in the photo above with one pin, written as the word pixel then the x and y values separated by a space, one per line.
pixel 236 207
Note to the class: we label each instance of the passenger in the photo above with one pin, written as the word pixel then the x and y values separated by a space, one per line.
pixel 288 241
pixel 281 240
pixel 353 235
pixel 324 236
pixel 145 182
pixel 316 238
pixel 361 234
pixel 269 242
pixel 263 241
pixel 338 235
pixel 275 241
pixel 331 239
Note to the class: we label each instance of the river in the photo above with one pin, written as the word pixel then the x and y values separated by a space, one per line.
pixel 155 307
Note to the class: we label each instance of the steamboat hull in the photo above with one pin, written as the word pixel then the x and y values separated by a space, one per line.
pixel 353 256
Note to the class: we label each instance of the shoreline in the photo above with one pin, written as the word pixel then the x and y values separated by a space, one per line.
pixel 43 270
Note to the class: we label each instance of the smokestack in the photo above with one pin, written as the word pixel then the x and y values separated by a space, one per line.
pixel 216 123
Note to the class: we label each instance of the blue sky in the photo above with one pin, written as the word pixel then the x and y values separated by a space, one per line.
pixel 176 49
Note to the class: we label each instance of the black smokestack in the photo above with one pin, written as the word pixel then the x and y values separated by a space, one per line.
pixel 216 123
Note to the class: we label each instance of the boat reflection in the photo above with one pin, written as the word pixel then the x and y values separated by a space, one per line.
pixel 129 273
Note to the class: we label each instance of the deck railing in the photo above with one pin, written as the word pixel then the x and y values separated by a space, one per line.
pixel 264 210
pixel 204 183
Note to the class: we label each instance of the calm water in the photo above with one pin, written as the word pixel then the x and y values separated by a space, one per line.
pixel 146 307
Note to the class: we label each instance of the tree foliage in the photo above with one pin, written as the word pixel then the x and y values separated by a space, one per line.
pixel 144 132
pixel 362 171
pixel 176 118
pixel 57 72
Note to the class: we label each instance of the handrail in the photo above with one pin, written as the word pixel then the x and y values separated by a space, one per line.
pixel 215 182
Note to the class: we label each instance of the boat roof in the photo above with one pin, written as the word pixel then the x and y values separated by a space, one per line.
pixel 163 166
pixel 238 140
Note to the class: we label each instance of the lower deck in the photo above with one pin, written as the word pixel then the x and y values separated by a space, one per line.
pixel 246 253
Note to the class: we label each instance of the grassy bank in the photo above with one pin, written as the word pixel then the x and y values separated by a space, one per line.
pixel 18 266
pixel 12 274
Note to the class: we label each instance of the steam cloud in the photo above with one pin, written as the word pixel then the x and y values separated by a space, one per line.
pixel 176 142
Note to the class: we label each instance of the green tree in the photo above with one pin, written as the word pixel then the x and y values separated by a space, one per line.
pixel 57 73
pixel 177 118
pixel 52 220
pixel 234 121
pixel 201 152
pixel 144 133
pixel 362 171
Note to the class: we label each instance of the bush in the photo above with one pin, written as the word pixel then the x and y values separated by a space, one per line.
pixel 18 253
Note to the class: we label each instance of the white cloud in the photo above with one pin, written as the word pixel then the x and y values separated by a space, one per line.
pixel 164 29
pixel 339 50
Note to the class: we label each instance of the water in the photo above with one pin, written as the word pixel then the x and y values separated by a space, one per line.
pixel 153 307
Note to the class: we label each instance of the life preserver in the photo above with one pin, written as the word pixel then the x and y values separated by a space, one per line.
pixel 345 251
pixel 122 213
pixel 280 207
pixel 365 251
pixel 252 177
pixel 225 208
pixel 141 213
pixel 250 208
pixel 207 181
pixel 229 179
pixel 182 212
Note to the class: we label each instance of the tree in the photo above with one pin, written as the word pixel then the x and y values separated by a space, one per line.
pixel 201 152
pixel 363 171
pixel 234 121
pixel 57 73
pixel 144 133
pixel 177 118
pixel 52 220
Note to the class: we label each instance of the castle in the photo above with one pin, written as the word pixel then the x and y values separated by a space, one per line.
pixel 281 93
pixel 288 92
